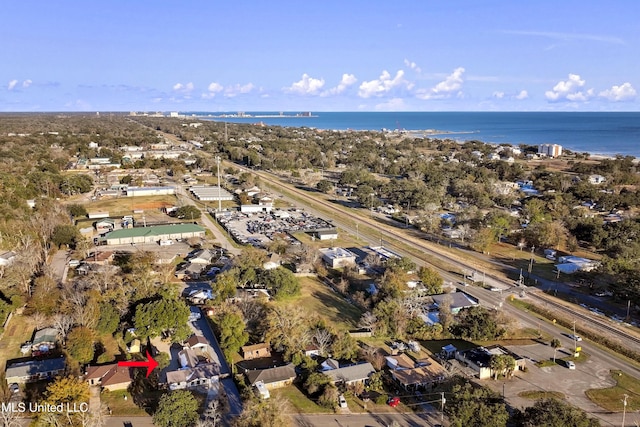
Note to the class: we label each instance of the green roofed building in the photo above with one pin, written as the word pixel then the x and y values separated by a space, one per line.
pixel 153 234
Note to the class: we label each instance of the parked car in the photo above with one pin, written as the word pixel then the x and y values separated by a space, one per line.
pixel 571 365
pixel 393 401
pixel 14 388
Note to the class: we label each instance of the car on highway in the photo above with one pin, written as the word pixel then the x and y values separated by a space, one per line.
pixel 575 337
pixel 571 365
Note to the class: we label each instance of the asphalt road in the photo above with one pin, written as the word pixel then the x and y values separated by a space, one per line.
pixel 425 419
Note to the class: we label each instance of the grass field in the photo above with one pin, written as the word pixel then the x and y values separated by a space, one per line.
pixel 611 399
pixel 316 297
pixel 18 331
pixel 115 400
pixel 124 205
pixel 299 402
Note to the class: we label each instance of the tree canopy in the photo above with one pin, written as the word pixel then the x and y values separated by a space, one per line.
pixel 176 409
pixel 162 316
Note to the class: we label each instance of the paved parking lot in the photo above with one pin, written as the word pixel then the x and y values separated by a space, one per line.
pixel 572 383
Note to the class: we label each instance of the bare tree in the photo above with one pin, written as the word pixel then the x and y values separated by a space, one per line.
pixel 10 419
pixel 39 320
pixel 62 323
pixel 368 321
pixel 322 338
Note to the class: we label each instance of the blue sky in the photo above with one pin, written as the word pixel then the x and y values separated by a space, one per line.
pixel 402 55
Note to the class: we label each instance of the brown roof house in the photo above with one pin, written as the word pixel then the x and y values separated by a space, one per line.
pixel 272 378
pixel 256 351
pixel 412 374
pixel 110 377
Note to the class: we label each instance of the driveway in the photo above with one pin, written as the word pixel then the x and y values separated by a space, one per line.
pixel 201 327
pixel 590 374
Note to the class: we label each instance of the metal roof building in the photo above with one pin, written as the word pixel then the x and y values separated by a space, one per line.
pixel 210 193
pixel 153 234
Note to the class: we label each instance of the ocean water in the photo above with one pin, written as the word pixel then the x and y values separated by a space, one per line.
pixel 594 132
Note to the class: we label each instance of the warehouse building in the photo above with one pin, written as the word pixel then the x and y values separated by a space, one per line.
pixel 149 191
pixel 209 193
pixel 153 234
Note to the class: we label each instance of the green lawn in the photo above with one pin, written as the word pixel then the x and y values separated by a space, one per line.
pixel 611 399
pixel 18 330
pixel 299 402
pixel 115 400
pixel 435 346
pixel 316 297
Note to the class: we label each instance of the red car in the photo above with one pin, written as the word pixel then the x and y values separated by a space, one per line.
pixel 393 401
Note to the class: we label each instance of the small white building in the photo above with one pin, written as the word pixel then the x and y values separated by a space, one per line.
pixel 253 208
pixel 338 257
pixel 597 179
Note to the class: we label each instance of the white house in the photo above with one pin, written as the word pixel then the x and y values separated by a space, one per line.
pixel 597 179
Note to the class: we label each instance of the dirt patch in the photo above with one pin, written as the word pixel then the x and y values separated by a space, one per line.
pixel 11 330
pixel 151 205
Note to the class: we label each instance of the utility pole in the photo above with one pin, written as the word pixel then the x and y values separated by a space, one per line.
pixel 628 309
pixel 442 407
pixel 219 188
pixel 575 342
pixel 624 408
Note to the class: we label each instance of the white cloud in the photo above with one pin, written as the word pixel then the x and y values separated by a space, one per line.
pixel 523 94
pixel 346 81
pixel 569 90
pixel 236 89
pixel 383 84
pixel 26 83
pixel 306 86
pixel 395 104
pixel 185 88
pixel 212 89
pixel 215 87
pixel 12 84
pixel 412 65
pixel 450 85
pixel 624 92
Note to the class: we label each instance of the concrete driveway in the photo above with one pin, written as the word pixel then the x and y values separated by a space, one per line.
pixel 572 383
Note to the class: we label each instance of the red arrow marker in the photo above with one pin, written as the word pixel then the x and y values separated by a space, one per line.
pixel 150 364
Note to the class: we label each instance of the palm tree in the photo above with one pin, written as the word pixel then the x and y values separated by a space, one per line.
pixel 498 364
pixel 555 344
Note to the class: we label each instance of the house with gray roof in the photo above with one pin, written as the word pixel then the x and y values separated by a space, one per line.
pixel 351 374
pixel 202 375
pixel 277 377
pixel 34 370
pixel 457 301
